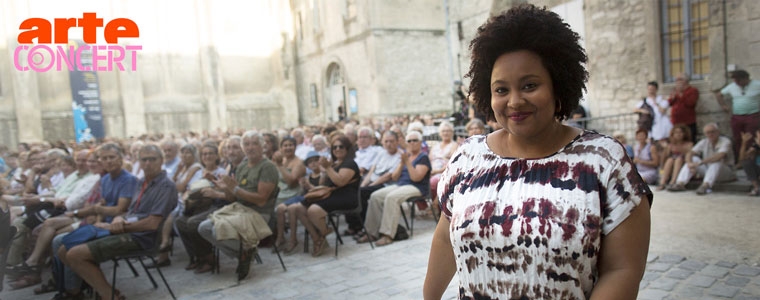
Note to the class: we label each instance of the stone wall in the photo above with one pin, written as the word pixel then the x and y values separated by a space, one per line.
pixel 182 81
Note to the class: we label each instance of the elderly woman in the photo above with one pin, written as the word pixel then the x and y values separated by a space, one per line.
pixel 188 171
pixel 678 145
pixel 412 177
pixel 537 209
pixel 342 174
pixel 252 191
pixel 319 142
pixel 199 250
pixel 475 127
pixel 440 154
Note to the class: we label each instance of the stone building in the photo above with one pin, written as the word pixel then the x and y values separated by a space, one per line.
pixel 200 69
pixel 373 58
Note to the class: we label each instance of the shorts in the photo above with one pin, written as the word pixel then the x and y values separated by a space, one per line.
pixel 112 246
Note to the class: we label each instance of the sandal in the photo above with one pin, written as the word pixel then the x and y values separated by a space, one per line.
pixel 290 248
pixel 365 239
pixel 22 269
pixel 45 288
pixel 319 247
pixel 385 240
pixel 25 281
pixel 350 232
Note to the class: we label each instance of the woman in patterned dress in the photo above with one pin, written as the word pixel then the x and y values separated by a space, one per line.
pixel 537 209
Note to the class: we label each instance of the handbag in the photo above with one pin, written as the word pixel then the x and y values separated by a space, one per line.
pixel 83 234
pixel 195 202
pixel 318 193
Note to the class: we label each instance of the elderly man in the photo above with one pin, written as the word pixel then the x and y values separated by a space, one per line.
pixel 172 160
pixel 154 198
pixel 683 105
pixel 253 191
pixel 745 111
pixel 379 176
pixel 366 151
pixel 712 158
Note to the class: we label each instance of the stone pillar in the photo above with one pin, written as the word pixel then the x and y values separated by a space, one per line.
pixel 24 84
pixel 132 102
pixel 212 80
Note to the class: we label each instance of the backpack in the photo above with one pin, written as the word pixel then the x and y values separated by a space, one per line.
pixel 646 121
pixel 401 233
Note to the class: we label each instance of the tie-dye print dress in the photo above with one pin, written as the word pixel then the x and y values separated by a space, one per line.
pixel 531 228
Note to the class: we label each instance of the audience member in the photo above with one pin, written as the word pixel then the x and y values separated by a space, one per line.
pixel 412 176
pixel 683 103
pixel 172 160
pixel 292 170
pixel 749 157
pixel 712 158
pixel 678 145
pixel 645 157
pixel 745 105
pixel 302 149
pixel 307 183
pixel 661 125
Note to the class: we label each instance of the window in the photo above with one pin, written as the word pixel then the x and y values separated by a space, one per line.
pixel 313 94
pixel 685 44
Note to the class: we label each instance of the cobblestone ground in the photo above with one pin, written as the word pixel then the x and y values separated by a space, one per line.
pixel 690 258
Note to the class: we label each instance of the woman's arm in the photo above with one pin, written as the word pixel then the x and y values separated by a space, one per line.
pixel 340 178
pixel 417 173
pixel 292 177
pixel 182 184
pixel 441 263
pixel 623 256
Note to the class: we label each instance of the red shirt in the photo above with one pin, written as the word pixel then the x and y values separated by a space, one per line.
pixel 683 108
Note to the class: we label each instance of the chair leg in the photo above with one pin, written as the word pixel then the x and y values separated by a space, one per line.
pixel 113 282
pixel 305 241
pixel 337 233
pixel 4 258
pixel 216 259
pixel 131 267
pixel 411 216
pixel 153 281
pixel 165 283
pixel 277 250
pixel 403 214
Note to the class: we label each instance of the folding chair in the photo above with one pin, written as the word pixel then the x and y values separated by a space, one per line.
pixel 336 222
pixel 4 257
pixel 256 256
pixel 413 204
pixel 139 256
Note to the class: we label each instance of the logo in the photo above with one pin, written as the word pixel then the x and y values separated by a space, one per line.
pixel 54 49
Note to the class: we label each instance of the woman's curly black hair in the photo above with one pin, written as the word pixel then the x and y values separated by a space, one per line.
pixel 540 31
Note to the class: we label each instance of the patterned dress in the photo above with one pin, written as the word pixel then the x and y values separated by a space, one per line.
pixel 532 228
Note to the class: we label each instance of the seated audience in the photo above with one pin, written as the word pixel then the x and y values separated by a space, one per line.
pixel 712 157
pixel 252 191
pixel 678 145
pixel 342 174
pixel 138 230
pixel 306 183
pixel 412 177
pixel 749 157
pixel 440 154
pixel 645 157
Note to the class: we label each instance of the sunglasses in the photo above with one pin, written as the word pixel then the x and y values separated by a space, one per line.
pixel 412 141
pixel 336 147
pixel 148 159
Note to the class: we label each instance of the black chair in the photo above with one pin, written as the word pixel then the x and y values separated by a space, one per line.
pixel 257 257
pixel 412 201
pixel 334 218
pixel 4 258
pixel 150 254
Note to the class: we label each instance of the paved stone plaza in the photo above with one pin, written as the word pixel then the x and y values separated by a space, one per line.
pixel 701 248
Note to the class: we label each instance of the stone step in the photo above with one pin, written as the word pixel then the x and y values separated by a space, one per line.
pixel 740 185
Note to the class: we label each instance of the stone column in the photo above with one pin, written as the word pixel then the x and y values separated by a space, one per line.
pixel 212 80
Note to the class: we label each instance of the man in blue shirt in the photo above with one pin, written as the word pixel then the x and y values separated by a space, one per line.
pixel 155 197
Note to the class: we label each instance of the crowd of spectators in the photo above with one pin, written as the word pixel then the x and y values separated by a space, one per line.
pixel 236 190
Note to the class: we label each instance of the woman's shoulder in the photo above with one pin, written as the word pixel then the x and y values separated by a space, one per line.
pixel 593 143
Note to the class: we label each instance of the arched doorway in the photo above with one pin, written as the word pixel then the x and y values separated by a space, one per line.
pixel 336 95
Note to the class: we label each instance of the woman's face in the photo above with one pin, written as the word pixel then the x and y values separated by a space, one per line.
pixel 474 130
pixel 93 164
pixel 446 133
pixel 522 96
pixel 319 145
pixel 641 137
pixel 678 134
pixel 209 156
pixel 187 157
pixel 413 144
pixel 339 150
pixel 288 148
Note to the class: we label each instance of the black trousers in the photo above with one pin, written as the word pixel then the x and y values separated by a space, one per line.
pixel 355 222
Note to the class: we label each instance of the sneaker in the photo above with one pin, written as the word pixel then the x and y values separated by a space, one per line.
pixel 704 189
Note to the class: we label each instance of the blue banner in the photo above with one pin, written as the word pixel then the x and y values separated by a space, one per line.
pixel 85 94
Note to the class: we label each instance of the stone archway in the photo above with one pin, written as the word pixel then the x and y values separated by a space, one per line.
pixel 335 94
